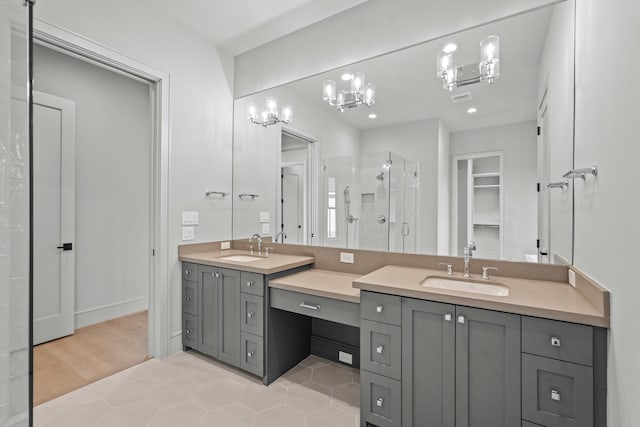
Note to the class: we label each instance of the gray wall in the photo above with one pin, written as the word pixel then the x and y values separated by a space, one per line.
pixel 372 28
pixel 113 143
pixel 607 210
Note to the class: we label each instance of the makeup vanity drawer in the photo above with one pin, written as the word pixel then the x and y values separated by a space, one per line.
pixel 381 348
pixel 251 314
pixel 556 393
pixel 380 399
pixel 189 271
pixel 330 309
pixel 381 308
pixel 559 340
pixel 252 283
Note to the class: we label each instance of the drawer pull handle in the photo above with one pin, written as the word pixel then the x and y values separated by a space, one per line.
pixel 309 306
pixel 448 317
pixel 189 298
pixel 555 341
pixel 250 314
pixel 216 275
pixel 379 402
pixel 249 284
pixel 187 272
pixel 379 349
pixel 188 331
pixel 379 308
pixel 461 319
pixel 555 395
pixel 250 354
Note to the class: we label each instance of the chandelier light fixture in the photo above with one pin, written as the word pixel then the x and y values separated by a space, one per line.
pixel 359 94
pixel 487 70
pixel 270 115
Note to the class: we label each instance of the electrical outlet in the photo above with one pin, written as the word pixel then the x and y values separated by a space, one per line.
pixel 266 228
pixel 265 217
pixel 572 278
pixel 189 218
pixel 225 245
pixel 347 257
pixel 345 357
pixel 188 233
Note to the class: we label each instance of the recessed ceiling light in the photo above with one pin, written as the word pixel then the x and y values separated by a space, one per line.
pixel 346 77
pixel 472 110
pixel 450 48
pixel 373 116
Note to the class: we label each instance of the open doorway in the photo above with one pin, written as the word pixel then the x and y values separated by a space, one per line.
pixel 93 186
pixel 295 213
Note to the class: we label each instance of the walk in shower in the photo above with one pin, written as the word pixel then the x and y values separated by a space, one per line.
pixel 370 202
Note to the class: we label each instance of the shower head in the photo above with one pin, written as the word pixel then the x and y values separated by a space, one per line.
pixel 380 176
pixel 347 198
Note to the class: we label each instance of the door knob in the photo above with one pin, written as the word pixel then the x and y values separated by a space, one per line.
pixel 66 247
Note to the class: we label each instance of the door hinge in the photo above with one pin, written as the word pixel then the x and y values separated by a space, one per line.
pixel 538 244
pixel 66 247
pixel 539 130
pixel 538 187
pixel 153 252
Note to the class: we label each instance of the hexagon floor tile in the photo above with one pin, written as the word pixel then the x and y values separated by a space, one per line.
pixel 189 389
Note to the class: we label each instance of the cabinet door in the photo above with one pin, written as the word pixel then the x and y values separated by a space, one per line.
pixel 229 318
pixel 209 310
pixel 428 364
pixel 487 368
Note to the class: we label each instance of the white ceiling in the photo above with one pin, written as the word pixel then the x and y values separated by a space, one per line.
pixel 408 89
pixel 241 25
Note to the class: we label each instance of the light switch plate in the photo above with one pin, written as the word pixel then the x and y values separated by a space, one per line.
pixel 345 357
pixel 347 257
pixel 188 233
pixel 266 228
pixel 189 218
pixel 225 245
pixel 572 278
pixel 265 217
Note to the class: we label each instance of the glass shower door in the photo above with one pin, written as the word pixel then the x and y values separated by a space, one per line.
pixel 374 199
pixel 14 216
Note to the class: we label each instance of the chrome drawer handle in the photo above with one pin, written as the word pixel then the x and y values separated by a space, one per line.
pixel 461 319
pixel 188 331
pixel 216 275
pixel 555 342
pixel 309 306
pixel 249 284
pixel 187 272
pixel 250 314
pixel 379 349
pixel 555 395
pixel 448 317
pixel 189 298
pixel 250 354
pixel 380 402
pixel 379 308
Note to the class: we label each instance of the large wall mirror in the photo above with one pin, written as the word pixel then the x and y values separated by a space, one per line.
pixel 464 138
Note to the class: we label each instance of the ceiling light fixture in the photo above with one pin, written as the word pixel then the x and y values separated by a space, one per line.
pixel 359 94
pixel 373 116
pixel 270 116
pixel 487 70
pixel 472 110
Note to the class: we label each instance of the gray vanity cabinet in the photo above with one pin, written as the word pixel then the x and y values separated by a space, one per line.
pixel 461 366
pixel 209 311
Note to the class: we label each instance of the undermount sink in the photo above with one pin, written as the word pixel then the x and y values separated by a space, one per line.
pixel 470 286
pixel 241 258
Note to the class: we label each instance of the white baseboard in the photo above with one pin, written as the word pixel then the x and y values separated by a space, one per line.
pixel 95 315
pixel 175 342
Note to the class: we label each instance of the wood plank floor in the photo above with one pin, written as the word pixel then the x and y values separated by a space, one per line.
pixel 92 353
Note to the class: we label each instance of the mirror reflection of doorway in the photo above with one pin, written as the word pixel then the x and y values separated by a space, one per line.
pixel 294 211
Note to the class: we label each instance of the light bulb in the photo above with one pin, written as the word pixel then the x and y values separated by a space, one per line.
pixel 357 83
pixel 370 94
pixel 265 116
pixel 444 63
pixel 450 48
pixel 490 58
pixel 287 113
pixel 272 106
pixel 329 91
pixel 252 111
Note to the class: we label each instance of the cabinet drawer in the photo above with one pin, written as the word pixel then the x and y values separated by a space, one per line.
pixel 381 348
pixel 381 308
pixel 556 393
pixel 189 271
pixel 559 340
pixel 189 331
pixel 251 314
pixel 252 354
pixel 334 310
pixel 252 283
pixel 190 298
pixel 380 398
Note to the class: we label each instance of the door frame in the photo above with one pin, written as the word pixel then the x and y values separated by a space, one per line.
pixel 305 198
pixel 159 81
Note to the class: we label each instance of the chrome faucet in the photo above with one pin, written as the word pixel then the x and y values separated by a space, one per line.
pixel 468 254
pixel 283 234
pixel 256 236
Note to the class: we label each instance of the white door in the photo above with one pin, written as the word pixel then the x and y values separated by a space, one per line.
pixel 544 172
pixel 292 199
pixel 53 217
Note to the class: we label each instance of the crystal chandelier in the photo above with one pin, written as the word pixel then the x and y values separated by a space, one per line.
pixel 270 116
pixel 359 94
pixel 487 70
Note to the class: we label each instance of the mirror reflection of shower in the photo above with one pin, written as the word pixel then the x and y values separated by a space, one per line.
pixel 349 218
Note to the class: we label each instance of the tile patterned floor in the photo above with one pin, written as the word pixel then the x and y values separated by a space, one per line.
pixel 188 389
